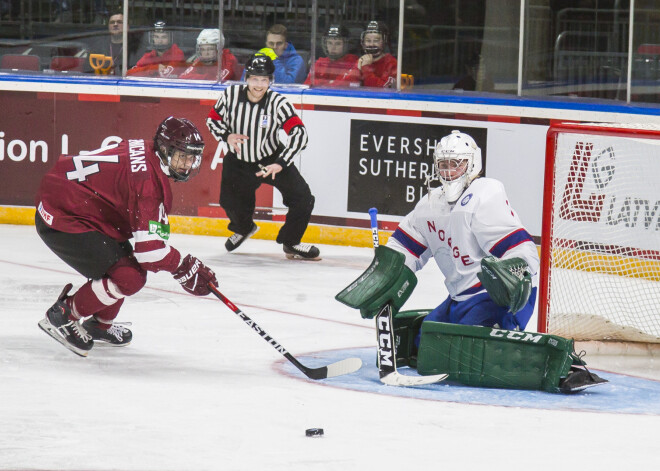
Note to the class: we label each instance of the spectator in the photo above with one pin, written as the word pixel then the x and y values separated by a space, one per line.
pixel 338 69
pixel 106 54
pixel 205 62
pixel 377 67
pixel 289 66
pixel 165 59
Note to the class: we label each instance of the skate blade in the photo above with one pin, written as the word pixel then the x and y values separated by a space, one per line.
pixel 47 327
pixel 291 256
pixel 108 343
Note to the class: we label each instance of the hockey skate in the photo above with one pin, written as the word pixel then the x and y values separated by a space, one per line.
pixel 579 379
pixel 302 252
pixel 117 335
pixel 235 240
pixel 68 332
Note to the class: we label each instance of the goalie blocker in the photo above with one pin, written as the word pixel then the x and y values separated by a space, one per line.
pixel 471 355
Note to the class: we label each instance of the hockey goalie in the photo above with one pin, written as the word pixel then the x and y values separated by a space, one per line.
pixel 490 264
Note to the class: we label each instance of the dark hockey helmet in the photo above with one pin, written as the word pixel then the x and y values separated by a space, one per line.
pixel 259 65
pixel 375 27
pixel 160 28
pixel 335 32
pixel 179 145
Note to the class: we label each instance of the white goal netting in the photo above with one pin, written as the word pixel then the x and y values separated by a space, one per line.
pixel 603 264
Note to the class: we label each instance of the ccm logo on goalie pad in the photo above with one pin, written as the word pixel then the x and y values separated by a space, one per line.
pixel 385 339
pixel 514 335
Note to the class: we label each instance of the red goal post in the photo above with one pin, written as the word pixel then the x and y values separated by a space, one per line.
pixel 600 241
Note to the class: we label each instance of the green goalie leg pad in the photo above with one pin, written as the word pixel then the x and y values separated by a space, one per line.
pixel 496 358
pixel 387 280
pixel 405 328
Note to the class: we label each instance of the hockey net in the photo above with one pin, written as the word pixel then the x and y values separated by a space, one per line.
pixel 600 247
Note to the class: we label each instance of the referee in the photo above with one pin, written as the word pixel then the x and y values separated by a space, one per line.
pixel 248 118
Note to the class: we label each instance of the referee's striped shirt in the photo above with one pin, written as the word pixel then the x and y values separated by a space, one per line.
pixel 235 114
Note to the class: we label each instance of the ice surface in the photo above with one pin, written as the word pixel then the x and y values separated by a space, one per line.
pixel 198 390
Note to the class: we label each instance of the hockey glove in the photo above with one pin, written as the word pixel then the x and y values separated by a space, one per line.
pixel 507 281
pixel 194 276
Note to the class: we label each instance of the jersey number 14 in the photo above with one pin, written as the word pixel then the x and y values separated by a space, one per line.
pixel 82 171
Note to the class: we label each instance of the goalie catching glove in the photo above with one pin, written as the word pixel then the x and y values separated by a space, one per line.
pixel 194 276
pixel 508 281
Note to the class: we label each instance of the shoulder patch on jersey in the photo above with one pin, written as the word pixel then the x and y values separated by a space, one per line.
pixel 466 199
pixel 161 230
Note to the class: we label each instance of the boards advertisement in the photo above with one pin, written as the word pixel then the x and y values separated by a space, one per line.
pixel 391 163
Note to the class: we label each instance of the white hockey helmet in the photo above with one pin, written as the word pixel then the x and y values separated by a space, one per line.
pixel 211 36
pixel 457 161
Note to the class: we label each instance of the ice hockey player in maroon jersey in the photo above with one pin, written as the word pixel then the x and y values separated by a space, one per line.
pixel 378 67
pixel 105 213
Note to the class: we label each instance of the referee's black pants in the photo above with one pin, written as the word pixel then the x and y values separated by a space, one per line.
pixel 238 197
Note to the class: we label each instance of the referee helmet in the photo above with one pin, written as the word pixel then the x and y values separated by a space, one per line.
pixel 259 65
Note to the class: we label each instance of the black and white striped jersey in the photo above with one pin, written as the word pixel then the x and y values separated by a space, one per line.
pixel 233 113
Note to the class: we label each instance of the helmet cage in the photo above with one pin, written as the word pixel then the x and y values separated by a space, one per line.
pixel 160 27
pixel 374 27
pixel 211 36
pixel 454 153
pixel 335 32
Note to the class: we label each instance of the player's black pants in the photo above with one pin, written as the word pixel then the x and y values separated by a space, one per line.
pixel 237 197
pixel 90 253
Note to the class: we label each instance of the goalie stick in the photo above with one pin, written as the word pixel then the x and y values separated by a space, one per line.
pixel 386 346
pixel 338 368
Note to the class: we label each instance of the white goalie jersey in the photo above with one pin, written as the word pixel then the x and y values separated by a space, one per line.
pixel 480 223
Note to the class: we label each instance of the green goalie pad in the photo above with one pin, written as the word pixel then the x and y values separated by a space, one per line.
pixel 405 327
pixel 387 280
pixel 495 358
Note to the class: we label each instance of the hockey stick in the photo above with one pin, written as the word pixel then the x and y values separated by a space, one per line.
pixel 339 368
pixel 386 346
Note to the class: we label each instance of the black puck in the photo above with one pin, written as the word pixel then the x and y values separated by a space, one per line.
pixel 314 432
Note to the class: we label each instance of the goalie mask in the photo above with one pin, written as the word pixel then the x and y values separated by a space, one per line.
pixel 160 39
pixel 456 162
pixel 209 42
pixel 335 42
pixel 374 38
pixel 179 145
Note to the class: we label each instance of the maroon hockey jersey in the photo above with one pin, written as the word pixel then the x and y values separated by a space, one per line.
pixel 120 191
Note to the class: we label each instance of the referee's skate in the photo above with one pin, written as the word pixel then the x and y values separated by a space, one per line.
pixel 302 252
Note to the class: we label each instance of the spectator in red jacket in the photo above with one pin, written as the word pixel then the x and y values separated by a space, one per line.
pixel 338 69
pixel 378 68
pixel 165 59
pixel 205 63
